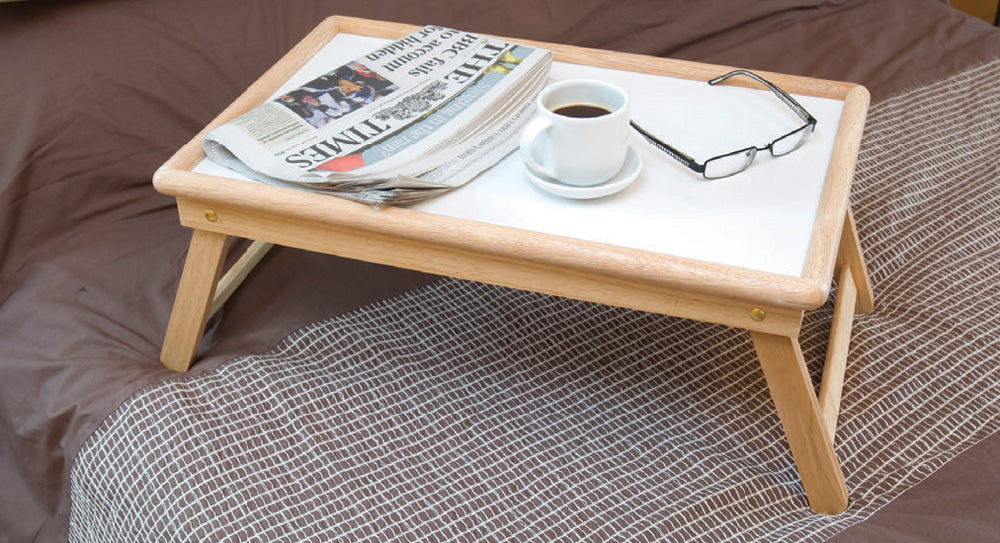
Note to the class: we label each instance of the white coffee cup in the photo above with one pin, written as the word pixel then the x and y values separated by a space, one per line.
pixel 580 135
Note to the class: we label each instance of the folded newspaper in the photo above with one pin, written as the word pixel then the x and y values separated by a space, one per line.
pixel 407 121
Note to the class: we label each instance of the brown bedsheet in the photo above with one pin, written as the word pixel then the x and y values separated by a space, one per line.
pixel 94 95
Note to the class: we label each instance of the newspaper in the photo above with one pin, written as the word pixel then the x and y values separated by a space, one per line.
pixel 407 121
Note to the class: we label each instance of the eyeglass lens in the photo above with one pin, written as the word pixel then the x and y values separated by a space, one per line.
pixel 787 144
pixel 726 165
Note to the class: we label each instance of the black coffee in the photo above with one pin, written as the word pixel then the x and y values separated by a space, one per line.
pixel 581 111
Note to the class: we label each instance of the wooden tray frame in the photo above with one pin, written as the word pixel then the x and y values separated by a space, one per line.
pixel 769 305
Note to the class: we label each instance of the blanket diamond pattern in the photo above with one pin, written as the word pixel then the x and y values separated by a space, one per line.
pixel 464 411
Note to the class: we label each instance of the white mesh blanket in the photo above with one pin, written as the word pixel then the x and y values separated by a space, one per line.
pixel 464 411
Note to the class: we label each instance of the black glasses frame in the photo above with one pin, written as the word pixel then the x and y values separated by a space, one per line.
pixel 750 153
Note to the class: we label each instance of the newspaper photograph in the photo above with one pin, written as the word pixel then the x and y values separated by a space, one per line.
pixel 418 116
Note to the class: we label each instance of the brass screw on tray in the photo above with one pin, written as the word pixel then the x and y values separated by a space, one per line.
pixel 211 216
pixel 758 314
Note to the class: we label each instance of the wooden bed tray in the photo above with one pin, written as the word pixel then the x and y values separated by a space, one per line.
pixel 769 305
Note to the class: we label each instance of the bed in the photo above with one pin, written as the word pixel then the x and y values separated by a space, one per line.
pixel 308 429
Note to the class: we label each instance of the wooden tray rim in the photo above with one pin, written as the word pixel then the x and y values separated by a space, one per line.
pixel 809 290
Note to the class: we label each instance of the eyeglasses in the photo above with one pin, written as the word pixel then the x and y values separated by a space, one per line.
pixel 737 161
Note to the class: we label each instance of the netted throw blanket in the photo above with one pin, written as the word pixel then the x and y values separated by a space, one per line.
pixel 463 411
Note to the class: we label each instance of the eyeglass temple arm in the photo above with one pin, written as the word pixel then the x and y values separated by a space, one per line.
pixel 782 95
pixel 676 154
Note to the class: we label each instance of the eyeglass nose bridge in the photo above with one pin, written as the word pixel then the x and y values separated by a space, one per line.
pixel 769 148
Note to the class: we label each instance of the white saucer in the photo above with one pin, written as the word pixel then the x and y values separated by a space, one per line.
pixel 630 170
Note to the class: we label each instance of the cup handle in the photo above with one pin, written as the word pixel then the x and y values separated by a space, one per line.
pixel 529 136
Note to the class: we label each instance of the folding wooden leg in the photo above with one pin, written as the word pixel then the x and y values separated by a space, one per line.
pixel 798 408
pixel 850 255
pixel 240 270
pixel 810 423
pixel 201 293
pixel 195 293
pixel 836 353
